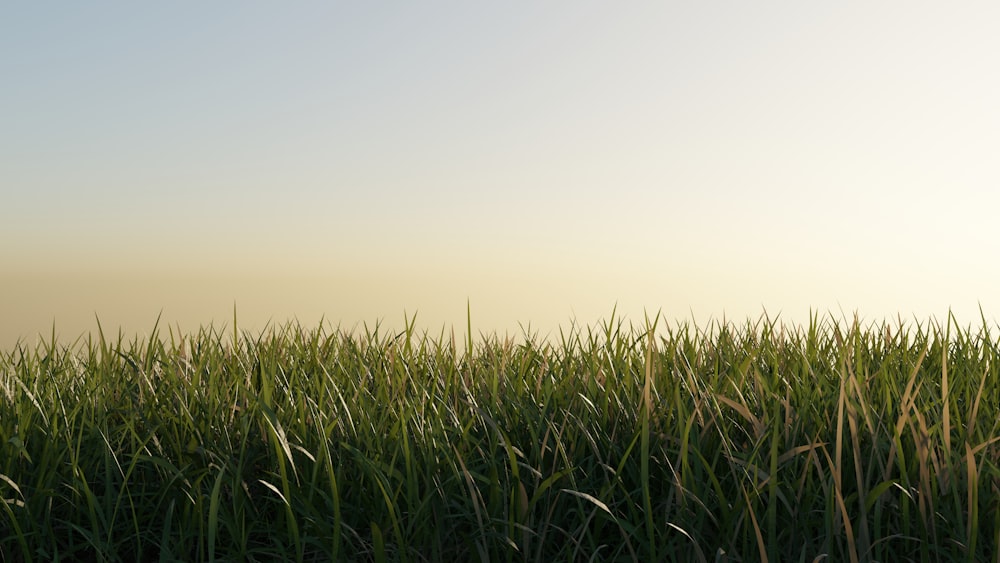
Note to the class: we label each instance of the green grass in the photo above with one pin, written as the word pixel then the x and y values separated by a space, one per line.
pixel 835 442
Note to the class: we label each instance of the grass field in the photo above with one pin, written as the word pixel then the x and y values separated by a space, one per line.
pixel 832 441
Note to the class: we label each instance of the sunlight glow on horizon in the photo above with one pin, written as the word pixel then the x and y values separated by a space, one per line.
pixel 541 162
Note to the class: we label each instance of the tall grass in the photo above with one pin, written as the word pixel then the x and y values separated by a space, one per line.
pixel 748 442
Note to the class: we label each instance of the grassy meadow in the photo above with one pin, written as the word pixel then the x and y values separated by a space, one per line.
pixel 836 441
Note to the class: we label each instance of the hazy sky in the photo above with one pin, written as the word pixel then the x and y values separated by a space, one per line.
pixel 541 160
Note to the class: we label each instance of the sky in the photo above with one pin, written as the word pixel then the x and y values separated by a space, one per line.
pixel 534 164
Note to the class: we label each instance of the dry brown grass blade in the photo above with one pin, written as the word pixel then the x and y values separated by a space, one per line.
pixel 473 490
pixel 742 410
pixel 925 454
pixel 842 507
pixel 798 450
pixel 937 456
pixel 761 548
pixel 786 403
pixel 522 502
pixel 972 474
pixel 974 414
pixel 906 404
pixel 838 445
pixel 812 461
pixel 946 411
pixel 697 391
pixel 647 386
pixel 981 447
pixel 697 548
pixel 862 403
pixel 908 391
pixel 863 539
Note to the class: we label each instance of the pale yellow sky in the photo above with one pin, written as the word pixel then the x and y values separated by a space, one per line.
pixel 543 162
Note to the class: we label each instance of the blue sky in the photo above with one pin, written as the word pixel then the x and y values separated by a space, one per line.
pixel 544 162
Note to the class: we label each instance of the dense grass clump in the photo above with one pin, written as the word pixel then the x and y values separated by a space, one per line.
pixel 732 443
